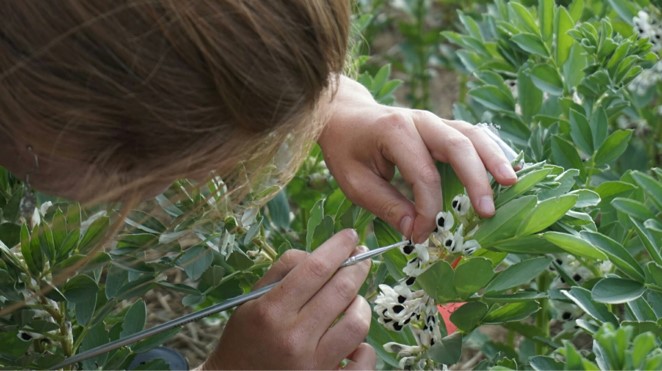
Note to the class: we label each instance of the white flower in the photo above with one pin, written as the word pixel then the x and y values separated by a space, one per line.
pixel 461 204
pixel 470 247
pixel 414 267
pixel 422 252
pixel 445 221
pixel 447 240
pixel 402 350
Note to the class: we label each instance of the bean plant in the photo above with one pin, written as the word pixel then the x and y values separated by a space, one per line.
pixel 566 275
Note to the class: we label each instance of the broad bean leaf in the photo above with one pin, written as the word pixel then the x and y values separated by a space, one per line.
pixel 614 290
pixel 518 274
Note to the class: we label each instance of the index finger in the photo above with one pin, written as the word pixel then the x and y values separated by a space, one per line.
pixel 307 278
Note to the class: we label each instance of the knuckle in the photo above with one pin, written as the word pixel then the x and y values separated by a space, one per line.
pixel 458 143
pixel 389 210
pixel 345 289
pixel 428 175
pixel 318 267
pixel 265 315
pixel 292 257
pixel 358 327
pixel 395 120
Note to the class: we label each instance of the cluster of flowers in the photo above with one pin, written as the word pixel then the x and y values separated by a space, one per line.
pixel 403 306
pixel 648 26
pixel 566 311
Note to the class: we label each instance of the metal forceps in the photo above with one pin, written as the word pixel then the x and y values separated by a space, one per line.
pixel 220 307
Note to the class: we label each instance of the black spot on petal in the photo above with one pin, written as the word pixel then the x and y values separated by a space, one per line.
pixel 397 326
pixel 566 316
pixel 441 221
pixel 401 299
pixel 25 336
pixel 408 249
pixel 577 277
pixel 398 308
pixel 410 281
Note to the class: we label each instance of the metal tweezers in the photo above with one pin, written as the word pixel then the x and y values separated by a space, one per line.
pixel 230 303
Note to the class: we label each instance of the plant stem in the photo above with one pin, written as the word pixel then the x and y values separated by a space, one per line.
pixel 542 317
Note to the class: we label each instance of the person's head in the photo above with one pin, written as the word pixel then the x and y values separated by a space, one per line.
pixel 123 97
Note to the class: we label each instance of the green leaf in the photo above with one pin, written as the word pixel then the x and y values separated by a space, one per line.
pixel 650 185
pixel 196 260
pixel 279 210
pixel 511 312
pixel 634 209
pixel 575 245
pixel 81 290
pixel 617 254
pixel 655 273
pixel 576 9
pixel 547 79
pixel 155 340
pixel 523 184
pixel 323 232
pixel 580 131
pixel 524 17
pixel 518 274
pixel 430 280
pixel 573 68
pixel 493 98
pixel 610 188
pixel 94 234
pixel 447 351
pixel 641 310
pixel 545 214
pixel 564 41
pixel 468 316
pixel 625 9
pixel 546 19
pixel 530 98
pixel 471 276
pixel 531 43
pixel 534 245
pixel 10 233
pixel 504 223
pixel 565 154
pixel 599 123
pixel 599 311
pixel 509 297
pixel 544 363
pixel 95 336
pixel 316 216
pixel 134 319
pixel 586 198
pixel 613 290
pixel 26 251
pixel 613 147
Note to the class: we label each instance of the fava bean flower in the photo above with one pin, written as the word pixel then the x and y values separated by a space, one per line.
pixel 403 307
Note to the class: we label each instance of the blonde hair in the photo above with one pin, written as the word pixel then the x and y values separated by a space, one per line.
pixel 153 90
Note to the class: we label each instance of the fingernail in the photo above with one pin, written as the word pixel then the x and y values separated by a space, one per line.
pixel 361 249
pixel 405 225
pixel 486 205
pixel 506 171
pixel 353 234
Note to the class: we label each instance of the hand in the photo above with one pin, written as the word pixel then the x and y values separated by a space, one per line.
pixel 296 325
pixel 364 141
